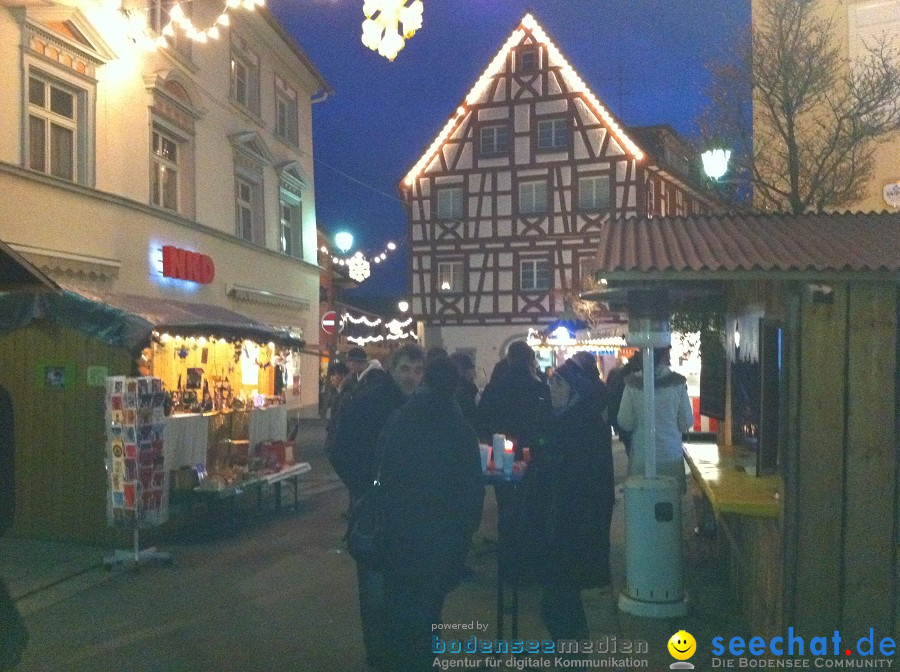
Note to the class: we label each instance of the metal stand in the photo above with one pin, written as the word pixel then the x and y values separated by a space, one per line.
pixel 136 557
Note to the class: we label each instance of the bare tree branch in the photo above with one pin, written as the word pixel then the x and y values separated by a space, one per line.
pixel 815 117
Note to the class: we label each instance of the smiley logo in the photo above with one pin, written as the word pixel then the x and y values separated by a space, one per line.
pixel 682 645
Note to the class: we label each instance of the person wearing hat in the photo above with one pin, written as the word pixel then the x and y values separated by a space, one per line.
pixel 569 497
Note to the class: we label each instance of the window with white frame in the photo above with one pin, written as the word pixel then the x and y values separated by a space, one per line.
pixel 285 112
pixel 249 209
pixel 56 127
pixel 244 76
pixel 450 203
pixel 553 133
pixel 165 169
pixel 494 139
pixel 290 225
pixel 593 192
pixel 533 197
pixel 450 277
pixel 534 275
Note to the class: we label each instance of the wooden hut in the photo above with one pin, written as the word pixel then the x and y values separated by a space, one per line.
pixel 812 544
pixel 56 351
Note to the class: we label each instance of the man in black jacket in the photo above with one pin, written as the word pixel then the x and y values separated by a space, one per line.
pixel 354 457
pixel 431 498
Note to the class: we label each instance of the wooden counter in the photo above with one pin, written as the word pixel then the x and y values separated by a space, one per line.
pixel 728 481
pixel 748 517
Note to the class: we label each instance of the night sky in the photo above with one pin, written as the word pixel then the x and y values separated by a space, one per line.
pixel 644 58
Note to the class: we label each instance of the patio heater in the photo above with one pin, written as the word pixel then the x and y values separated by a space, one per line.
pixel 653 572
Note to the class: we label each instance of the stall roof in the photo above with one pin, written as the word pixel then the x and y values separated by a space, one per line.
pixel 725 246
pixel 16 272
pixel 128 321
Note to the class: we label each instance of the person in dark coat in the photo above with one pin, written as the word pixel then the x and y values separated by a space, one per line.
pixel 354 455
pixel 432 496
pixel 568 499
pixel 615 386
pixel 515 400
pixel 467 393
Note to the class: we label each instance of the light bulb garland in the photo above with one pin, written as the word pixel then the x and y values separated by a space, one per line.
pixel 180 21
pixel 366 330
pixel 359 265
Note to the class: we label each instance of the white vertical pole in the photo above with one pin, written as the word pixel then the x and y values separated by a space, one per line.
pixel 650 413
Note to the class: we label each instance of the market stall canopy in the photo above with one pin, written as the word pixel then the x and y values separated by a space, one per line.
pixel 726 246
pixel 17 273
pixel 694 255
pixel 128 321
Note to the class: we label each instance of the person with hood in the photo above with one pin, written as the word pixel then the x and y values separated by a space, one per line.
pixel 674 416
pixel 353 454
pixel 515 401
pixel 431 500
pixel 568 498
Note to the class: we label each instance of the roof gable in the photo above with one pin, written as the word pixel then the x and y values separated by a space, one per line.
pixel 528 32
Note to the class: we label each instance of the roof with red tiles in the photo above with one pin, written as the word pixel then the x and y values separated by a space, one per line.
pixel 722 245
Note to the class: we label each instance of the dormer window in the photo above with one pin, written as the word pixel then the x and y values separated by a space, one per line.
pixel 527 61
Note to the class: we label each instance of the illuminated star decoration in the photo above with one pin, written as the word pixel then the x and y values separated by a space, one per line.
pixel 380 31
pixel 358 267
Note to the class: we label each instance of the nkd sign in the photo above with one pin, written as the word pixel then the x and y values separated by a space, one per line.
pixel 186 265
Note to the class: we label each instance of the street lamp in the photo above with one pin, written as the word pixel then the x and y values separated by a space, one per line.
pixel 403 306
pixel 344 241
pixel 715 162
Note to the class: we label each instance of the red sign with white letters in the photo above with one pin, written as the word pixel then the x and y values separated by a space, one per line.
pixel 186 265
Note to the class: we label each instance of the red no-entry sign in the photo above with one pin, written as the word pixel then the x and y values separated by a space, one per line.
pixel 330 322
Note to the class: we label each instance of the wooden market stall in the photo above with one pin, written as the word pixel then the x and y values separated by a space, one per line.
pixel 56 352
pixel 803 477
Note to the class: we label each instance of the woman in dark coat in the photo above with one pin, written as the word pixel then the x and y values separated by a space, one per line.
pixel 569 496
pixel 432 495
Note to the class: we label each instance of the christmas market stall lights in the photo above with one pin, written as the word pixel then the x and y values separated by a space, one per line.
pixel 224 380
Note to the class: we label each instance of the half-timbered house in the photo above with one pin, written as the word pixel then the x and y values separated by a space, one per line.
pixel 506 205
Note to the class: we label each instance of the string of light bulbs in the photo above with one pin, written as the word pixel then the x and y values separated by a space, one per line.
pixel 178 19
pixel 358 264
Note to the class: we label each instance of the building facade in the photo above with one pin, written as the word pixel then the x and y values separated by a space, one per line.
pixel 857 26
pixel 120 137
pixel 506 205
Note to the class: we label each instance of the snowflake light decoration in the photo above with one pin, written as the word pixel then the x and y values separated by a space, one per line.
pixel 358 267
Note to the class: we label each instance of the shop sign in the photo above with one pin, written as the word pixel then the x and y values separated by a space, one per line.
pixel 186 265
